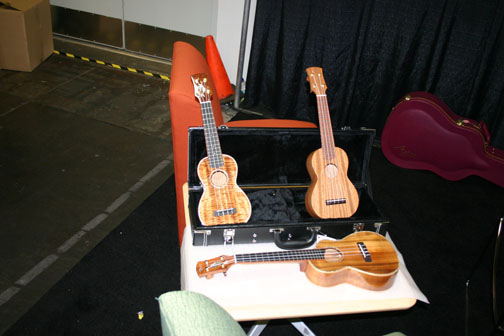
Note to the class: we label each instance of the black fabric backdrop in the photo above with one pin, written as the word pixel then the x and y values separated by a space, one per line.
pixel 374 52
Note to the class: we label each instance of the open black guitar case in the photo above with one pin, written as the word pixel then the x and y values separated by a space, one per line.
pixel 272 172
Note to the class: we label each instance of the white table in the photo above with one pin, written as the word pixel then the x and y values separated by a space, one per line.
pixel 280 290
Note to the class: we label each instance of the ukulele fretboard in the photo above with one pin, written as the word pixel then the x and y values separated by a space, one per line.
pixel 214 151
pixel 311 254
pixel 326 133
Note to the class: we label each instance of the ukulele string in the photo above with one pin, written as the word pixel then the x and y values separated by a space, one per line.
pixel 209 129
pixel 226 189
pixel 221 194
pixel 315 254
pixel 335 188
pixel 325 141
pixel 330 250
pixel 328 136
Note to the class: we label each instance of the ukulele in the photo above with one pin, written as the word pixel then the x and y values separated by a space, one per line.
pixel 364 259
pixel 222 201
pixel 331 194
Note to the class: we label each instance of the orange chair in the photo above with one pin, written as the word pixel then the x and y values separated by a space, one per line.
pixel 185 112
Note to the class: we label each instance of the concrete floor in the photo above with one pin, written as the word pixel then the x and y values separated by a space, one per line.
pixel 81 146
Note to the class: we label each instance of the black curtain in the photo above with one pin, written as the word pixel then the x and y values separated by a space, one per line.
pixel 374 52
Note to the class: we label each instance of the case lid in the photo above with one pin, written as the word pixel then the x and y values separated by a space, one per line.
pixel 277 156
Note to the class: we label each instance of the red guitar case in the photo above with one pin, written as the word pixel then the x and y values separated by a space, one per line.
pixel 423 133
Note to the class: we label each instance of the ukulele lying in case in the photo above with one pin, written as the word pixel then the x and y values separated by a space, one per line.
pixel 423 133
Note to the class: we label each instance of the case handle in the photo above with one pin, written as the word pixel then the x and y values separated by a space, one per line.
pixel 284 240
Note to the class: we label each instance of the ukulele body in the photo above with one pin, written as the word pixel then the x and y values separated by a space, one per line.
pixel 331 194
pixel 346 261
pixel 222 201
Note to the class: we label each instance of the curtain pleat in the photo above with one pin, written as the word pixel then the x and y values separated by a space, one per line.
pixel 373 53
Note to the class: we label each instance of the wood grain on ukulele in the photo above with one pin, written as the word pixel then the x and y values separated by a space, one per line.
pixel 222 201
pixel 331 194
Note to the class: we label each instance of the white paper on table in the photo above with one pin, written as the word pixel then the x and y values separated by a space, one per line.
pixel 270 283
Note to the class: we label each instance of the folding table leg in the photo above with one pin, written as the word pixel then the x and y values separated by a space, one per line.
pixel 301 327
pixel 498 315
pixel 257 328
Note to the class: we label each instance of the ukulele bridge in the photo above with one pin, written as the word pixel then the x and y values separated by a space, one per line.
pixel 223 212
pixel 364 251
pixel 335 201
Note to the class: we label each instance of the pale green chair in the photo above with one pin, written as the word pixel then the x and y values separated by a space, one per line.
pixel 185 313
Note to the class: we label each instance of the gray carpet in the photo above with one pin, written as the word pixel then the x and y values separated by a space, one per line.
pixel 81 146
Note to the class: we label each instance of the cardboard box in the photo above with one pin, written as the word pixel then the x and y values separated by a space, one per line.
pixel 25 34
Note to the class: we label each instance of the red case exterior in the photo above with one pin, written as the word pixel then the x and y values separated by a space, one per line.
pixel 423 133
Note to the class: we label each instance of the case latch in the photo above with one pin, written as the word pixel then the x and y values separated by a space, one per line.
pixel 205 234
pixel 276 230
pixel 378 227
pixel 228 236
pixel 358 227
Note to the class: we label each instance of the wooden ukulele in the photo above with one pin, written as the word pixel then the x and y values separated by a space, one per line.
pixel 364 259
pixel 222 201
pixel 331 194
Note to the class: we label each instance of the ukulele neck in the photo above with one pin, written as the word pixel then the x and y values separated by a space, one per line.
pixel 281 256
pixel 326 132
pixel 213 147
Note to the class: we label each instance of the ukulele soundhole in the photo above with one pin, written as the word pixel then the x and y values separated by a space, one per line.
pixel 331 170
pixel 219 179
pixel 333 255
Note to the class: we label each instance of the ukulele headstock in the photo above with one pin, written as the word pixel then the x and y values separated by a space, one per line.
pixel 213 266
pixel 316 79
pixel 201 89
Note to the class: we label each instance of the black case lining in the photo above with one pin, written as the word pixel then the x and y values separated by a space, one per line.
pixel 272 172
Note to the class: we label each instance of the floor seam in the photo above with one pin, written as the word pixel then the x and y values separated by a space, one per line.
pixel 45 263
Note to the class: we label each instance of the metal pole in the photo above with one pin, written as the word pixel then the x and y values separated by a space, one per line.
pixel 123 28
pixel 497 314
pixel 241 59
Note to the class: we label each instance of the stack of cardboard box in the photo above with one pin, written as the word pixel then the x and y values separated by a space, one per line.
pixel 26 38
